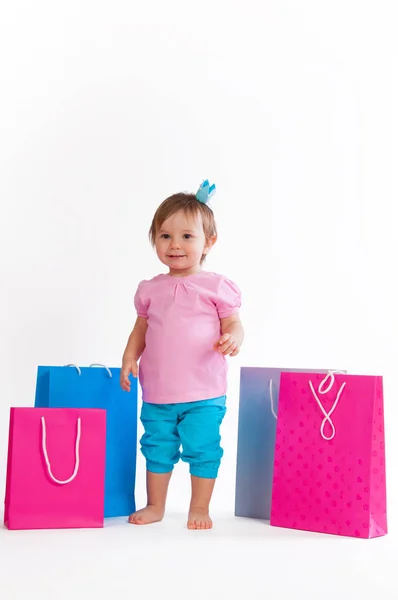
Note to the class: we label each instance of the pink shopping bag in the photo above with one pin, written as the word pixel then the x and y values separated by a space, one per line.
pixel 329 468
pixel 56 468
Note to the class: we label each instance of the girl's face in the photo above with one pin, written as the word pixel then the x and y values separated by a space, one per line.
pixel 181 243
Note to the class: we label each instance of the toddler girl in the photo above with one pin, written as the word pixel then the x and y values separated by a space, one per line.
pixel 187 323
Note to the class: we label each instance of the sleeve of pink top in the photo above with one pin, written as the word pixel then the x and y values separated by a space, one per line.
pixel 228 299
pixel 141 301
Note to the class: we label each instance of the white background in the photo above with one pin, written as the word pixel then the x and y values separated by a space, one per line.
pixel 290 107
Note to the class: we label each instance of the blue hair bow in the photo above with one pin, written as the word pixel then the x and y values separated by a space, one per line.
pixel 205 191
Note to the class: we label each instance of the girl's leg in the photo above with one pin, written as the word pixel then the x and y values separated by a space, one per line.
pixel 156 485
pixel 199 430
pixel 160 445
pixel 202 490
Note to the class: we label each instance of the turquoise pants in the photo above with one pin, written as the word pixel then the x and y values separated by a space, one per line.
pixel 194 426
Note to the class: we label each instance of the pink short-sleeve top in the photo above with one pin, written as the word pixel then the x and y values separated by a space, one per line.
pixel 179 362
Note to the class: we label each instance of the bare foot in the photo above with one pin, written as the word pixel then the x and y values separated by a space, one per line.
pixel 199 518
pixel 149 514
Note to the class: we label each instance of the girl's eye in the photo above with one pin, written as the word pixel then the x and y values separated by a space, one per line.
pixel 187 236
pixel 165 236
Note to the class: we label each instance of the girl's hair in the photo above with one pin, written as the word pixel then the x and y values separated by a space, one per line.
pixel 190 206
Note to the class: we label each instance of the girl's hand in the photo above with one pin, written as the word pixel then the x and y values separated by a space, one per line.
pixel 130 365
pixel 227 345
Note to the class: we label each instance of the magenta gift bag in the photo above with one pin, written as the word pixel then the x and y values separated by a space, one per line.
pixel 329 469
pixel 56 468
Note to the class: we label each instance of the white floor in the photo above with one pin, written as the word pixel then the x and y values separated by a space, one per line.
pixel 240 557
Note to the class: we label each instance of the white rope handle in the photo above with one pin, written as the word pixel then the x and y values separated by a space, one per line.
pixel 271 396
pixel 77 458
pixel 76 367
pixel 104 366
pixel 326 414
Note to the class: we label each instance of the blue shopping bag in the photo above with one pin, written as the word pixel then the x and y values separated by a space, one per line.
pixel 99 387
pixel 258 409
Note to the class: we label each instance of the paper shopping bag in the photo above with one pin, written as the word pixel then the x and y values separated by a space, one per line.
pixel 55 469
pixel 329 468
pixel 91 387
pixel 258 407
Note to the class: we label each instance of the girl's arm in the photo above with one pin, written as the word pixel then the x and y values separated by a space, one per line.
pixel 134 349
pixel 232 335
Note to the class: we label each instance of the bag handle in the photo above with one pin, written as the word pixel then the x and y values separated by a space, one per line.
pixel 271 397
pixel 78 369
pixel 322 391
pixel 104 366
pixel 45 453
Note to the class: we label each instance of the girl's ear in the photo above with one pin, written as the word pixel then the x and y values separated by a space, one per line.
pixel 209 244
